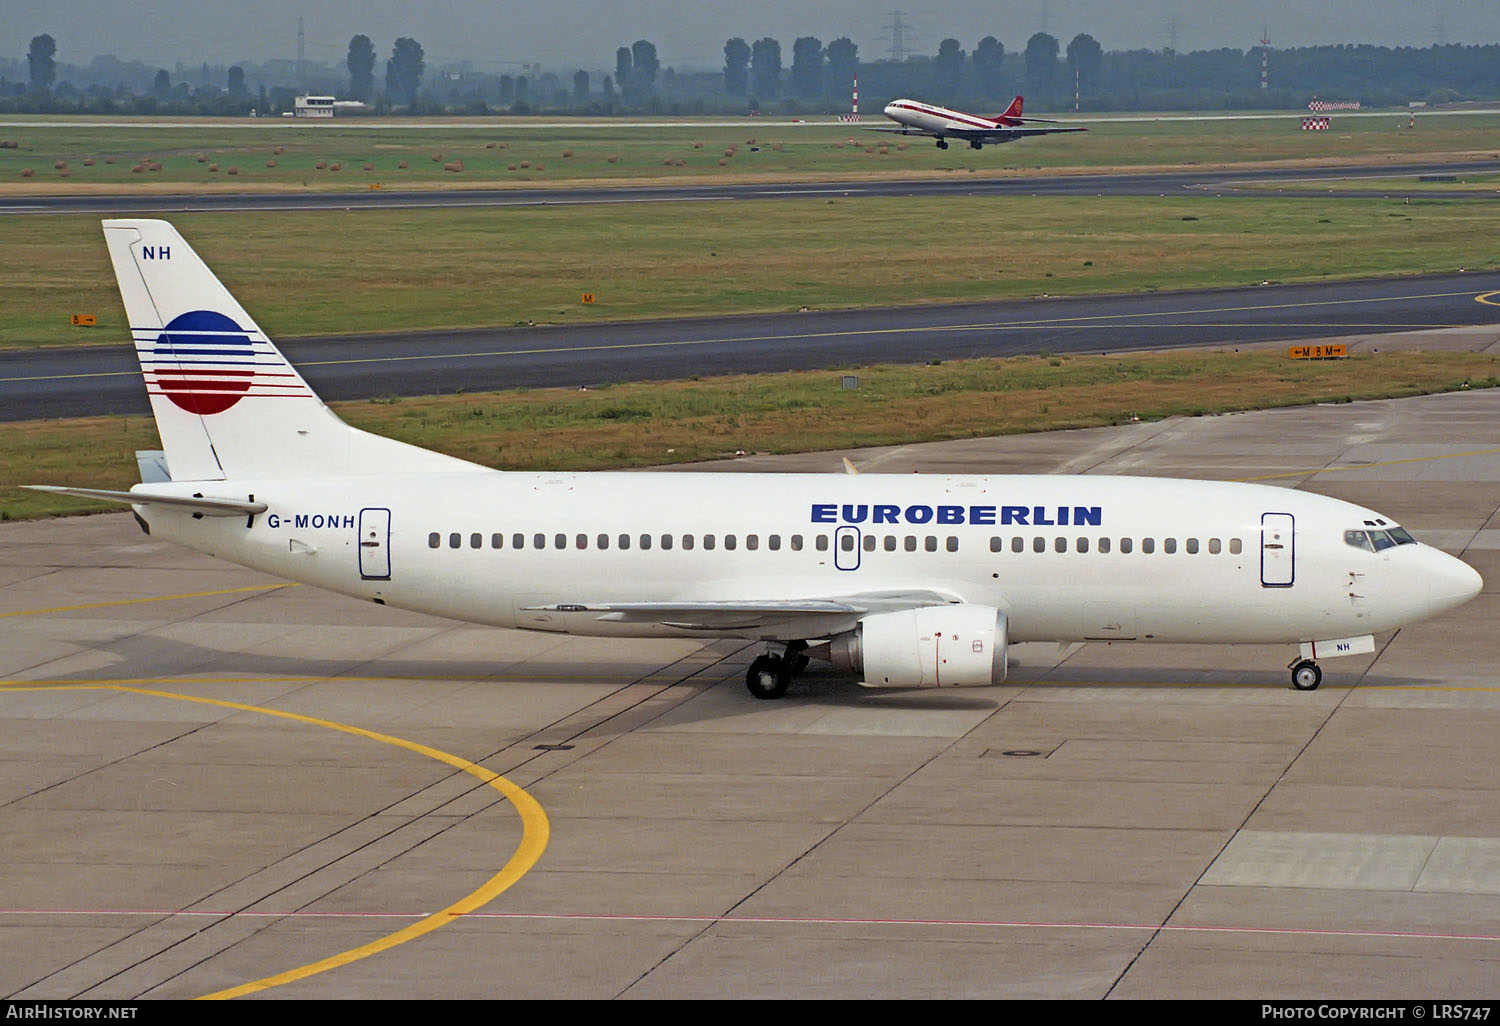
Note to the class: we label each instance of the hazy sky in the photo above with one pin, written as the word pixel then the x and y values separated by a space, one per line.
pixel 564 34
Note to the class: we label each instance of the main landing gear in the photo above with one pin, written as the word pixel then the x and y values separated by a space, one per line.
pixel 1305 675
pixel 942 144
pixel 975 144
pixel 770 675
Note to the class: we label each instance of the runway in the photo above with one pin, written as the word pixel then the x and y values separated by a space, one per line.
pixel 69 382
pixel 1152 183
pixel 213 784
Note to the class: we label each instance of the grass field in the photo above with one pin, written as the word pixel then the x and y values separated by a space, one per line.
pixel 275 154
pixel 653 424
pixel 310 273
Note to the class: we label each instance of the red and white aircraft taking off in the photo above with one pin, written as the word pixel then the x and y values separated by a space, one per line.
pixel 941 124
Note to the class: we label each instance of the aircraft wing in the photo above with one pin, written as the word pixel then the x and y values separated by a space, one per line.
pixel 999 135
pixel 793 618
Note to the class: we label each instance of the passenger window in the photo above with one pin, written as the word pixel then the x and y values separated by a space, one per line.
pixel 497 541
pixel 997 544
pixel 455 540
pixel 1103 544
pixel 1082 545
pixel 1126 545
pixel 624 541
pixel 1039 544
pixel 752 542
pixel 1148 545
pixel 869 543
pixel 1215 546
pixel 1018 544
pixel 911 543
pixel 890 543
pixel 645 541
pixel 666 541
pixel 582 541
pixel 559 541
pixel 796 543
pixel 476 541
pixel 1192 546
pixel 1169 545
pixel 847 543
pixel 434 540
pixel 952 543
pixel 518 541
pixel 930 543
pixel 687 541
pixel 774 543
pixel 708 541
pixel 822 543
pixel 539 541
pixel 1060 544
pixel 1236 546
pixel 602 541
pixel 729 541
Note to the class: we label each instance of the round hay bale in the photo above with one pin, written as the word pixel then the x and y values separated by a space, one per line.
pixel 567 153
pixel 335 167
pixel 489 146
pixel 270 163
pixel 88 161
pixel 437 158
pixel 321 165
pixel 213 167
pixel 525 163
pixel 369 167
pixel 233 170
pixel 510 167
pixel 26 172
pixel 723 162
pixel 58 165
pixel 613 158
pixel 402 165
pixel 454 165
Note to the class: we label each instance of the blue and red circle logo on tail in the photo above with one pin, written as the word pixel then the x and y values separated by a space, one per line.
pixel 204 362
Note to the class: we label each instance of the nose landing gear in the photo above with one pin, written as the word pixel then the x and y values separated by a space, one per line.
pixel 1306 676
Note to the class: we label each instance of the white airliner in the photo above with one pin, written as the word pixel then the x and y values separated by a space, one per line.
pixel 902 581
pixel 941 124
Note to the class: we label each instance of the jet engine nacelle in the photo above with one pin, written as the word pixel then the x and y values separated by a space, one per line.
pixel 933 646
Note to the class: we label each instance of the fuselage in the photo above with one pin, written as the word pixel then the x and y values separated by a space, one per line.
pixel 939 120
pixel 1064 558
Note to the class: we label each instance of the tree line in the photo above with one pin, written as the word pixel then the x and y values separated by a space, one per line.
pixel 813 77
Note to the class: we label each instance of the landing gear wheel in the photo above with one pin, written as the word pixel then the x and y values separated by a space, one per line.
pixel 942 144
pixel 768 677
pixel 1306 676
pixel 975 144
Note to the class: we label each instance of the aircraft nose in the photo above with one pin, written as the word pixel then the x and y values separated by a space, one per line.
pixel 1452 582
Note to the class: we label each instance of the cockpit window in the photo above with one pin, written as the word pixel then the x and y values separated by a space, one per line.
pixel 1381 540
pixel 1359 540
pixel 1401 536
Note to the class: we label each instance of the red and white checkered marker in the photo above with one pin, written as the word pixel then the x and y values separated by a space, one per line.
pixel 1315 124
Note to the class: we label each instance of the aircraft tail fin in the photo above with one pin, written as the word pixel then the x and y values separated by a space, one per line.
pixel 1013 111
pixel 227 403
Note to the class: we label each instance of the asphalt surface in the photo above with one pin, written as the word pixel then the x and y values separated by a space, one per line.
pixel 68 382
pixel 1206 182
pixel 211 782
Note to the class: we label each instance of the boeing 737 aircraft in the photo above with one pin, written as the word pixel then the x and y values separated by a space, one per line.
pixel 940 123
pixel 901 581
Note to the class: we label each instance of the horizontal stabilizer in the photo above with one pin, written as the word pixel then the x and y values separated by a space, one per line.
pixel 196 503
